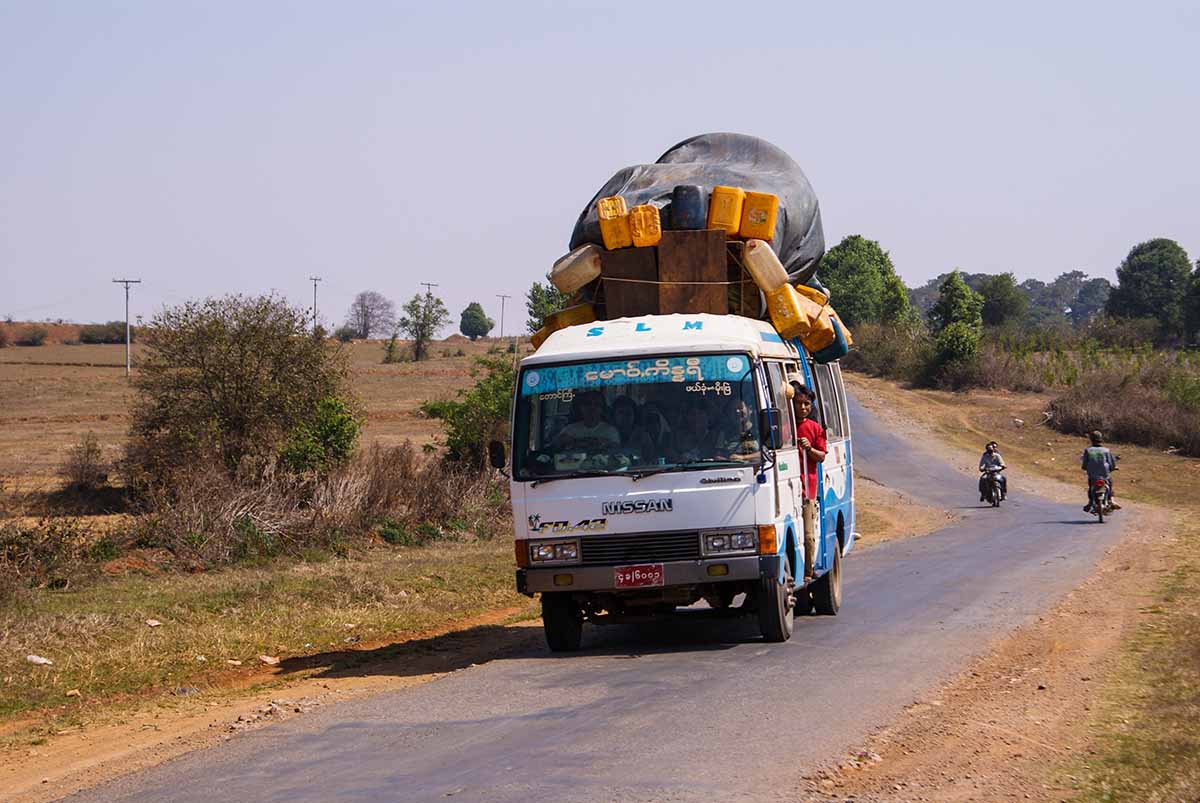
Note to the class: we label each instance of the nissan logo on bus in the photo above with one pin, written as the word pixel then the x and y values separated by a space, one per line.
pixel 619 506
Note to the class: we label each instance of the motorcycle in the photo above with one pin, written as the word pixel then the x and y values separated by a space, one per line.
pixel 993 491
pixel 1099 499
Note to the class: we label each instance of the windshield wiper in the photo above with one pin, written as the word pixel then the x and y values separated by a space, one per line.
pixel 580 475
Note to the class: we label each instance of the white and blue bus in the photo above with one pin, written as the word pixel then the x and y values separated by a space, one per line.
pixel 655 464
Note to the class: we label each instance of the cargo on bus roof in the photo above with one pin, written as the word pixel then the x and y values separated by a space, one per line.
pixel 734 160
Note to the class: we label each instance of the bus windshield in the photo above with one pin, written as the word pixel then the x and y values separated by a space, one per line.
pixel 635 416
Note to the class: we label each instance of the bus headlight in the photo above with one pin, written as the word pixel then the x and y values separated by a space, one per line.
pixel 725 543
pixel 554 551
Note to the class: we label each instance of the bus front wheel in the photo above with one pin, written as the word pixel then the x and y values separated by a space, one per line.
pixel 775 607
pixel 562 621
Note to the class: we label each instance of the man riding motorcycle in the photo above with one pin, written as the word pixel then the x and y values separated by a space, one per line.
pixel 991 460
pixel 1099 463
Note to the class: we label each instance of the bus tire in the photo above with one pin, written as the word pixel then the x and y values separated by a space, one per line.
pixel 562 621
pixel 776 606
pixel 804 602
pixel 827 589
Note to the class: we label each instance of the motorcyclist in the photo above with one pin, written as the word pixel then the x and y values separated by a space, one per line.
pixel 991 459
pixel 1099 463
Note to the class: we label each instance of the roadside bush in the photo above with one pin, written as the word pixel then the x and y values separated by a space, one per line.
pixel 326 441
pixel 889 350
pixel 48 553
pixel 344 334
pixel 111 332
pixel 209 517
pixel 33 336
pixel 84 470
pixel 481 415
pixel 1151 406
pixel 225 381
pixel 1123 332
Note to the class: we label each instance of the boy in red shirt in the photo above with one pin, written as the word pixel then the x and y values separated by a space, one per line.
pixel 811 438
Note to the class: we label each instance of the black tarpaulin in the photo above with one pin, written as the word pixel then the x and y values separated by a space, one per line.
pixel 734 160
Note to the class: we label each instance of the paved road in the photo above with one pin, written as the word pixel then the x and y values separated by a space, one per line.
pixel 687 711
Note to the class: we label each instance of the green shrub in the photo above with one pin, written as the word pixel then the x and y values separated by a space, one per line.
pixel 326 441
pixel 111 332
pixel 481 415
pixel 344 334
pixel 103 549
pixel 227 380
pixel 33 336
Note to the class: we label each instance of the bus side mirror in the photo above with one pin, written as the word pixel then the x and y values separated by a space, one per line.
pixel 768 425
pixel 496 454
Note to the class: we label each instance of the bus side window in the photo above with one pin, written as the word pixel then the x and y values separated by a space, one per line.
pixel 787 429
pixel 835 371
pixel 827 398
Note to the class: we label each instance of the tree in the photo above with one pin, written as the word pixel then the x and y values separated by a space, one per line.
pixel 474 323
pixel 226 379
pixel 956 303
pixel 542 300
pixel 894 306
pixel 371 314
pixel 1003 300
pixel 857 271
pixel 1090 300
pixel 1152 282
pixel 1191 307
pixel 423 316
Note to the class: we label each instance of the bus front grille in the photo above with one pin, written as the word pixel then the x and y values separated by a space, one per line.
pixel 620 550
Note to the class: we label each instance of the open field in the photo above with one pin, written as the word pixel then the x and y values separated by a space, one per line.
pixel 51 395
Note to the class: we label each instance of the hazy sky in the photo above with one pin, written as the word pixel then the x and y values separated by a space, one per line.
pixel 211 147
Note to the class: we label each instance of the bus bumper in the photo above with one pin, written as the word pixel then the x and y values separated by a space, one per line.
pixel 679 573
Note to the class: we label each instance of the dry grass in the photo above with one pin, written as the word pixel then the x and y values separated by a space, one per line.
pixel 100 643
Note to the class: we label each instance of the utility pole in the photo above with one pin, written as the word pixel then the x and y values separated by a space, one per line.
pixel 314 280
pixel 428 287
pixel 502 298
pixel 127 282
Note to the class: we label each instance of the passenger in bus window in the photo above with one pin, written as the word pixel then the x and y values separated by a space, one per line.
pixel 744 445
pixel 812 434
pixel 591 430
pixel 698 438
pixel 634 439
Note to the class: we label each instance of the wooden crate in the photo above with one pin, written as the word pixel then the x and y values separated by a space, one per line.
pixel 687 272
pixel 627 299
pixel 693 256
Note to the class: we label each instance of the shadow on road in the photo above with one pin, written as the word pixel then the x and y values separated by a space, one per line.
pixel 424 656
pixel 690 631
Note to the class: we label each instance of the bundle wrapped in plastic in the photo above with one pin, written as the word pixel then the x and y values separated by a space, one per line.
pixel 724 160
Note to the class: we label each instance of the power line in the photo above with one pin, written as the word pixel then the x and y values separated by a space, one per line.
pixel 127 282
pixel 314 280
pixel 503 297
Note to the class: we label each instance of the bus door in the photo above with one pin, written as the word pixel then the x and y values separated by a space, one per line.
pixel 787 457
pixel 836 470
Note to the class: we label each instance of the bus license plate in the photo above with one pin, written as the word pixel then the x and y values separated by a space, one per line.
pixel 650 574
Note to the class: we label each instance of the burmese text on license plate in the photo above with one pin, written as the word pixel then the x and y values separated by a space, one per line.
pixel 639 576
